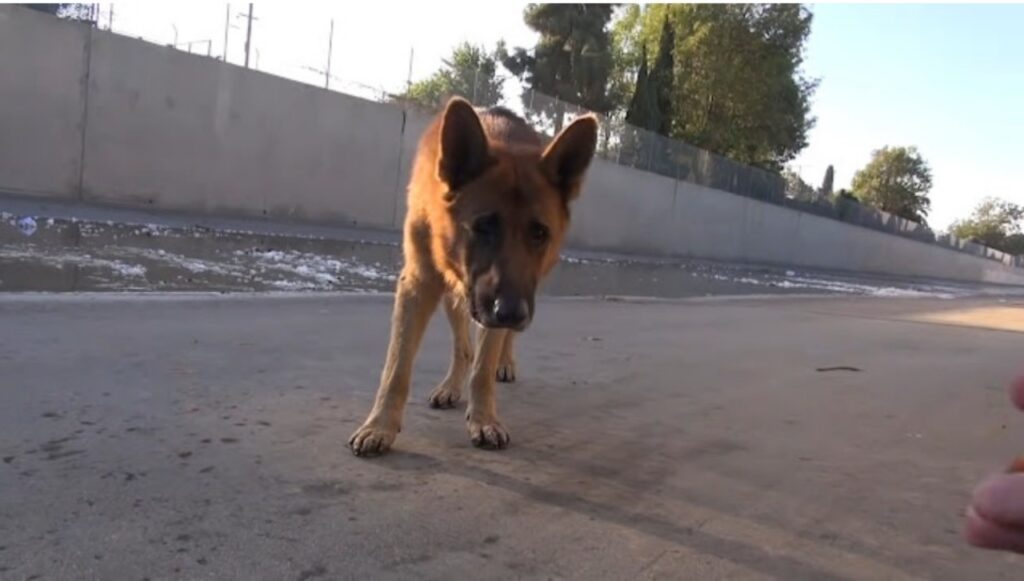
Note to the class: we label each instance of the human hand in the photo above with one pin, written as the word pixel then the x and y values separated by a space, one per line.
pixel 995 517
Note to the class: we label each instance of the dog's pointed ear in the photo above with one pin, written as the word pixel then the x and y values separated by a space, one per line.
pixel 464 151
pixel 566 159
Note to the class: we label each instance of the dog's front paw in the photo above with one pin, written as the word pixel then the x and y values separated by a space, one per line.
pixel 373 438
pixel 506 371
pixel 487 433
pixel 445 396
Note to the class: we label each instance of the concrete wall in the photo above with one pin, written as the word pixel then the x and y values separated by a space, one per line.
pixel 640 202
pixel 43 64
pixel 416 123
pixel 622 210
pixel 92 115
pixel 172 130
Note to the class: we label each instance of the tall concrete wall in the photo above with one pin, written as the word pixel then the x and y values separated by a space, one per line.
pixel 625 210
pixel 172 130
pixel 640 202
pixel 416 123
pixel 43 64
pixel 92 115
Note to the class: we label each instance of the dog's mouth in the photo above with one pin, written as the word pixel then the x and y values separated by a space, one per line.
pixel 474 314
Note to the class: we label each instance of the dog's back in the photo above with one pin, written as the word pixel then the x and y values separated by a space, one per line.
pixel 505 128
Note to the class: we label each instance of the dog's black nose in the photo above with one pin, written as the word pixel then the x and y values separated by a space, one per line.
pixel 510 312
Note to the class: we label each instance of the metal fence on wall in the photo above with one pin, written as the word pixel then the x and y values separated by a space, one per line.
pixel 648 151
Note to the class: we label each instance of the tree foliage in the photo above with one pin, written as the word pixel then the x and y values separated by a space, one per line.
pixel 847 195
pixel 470 72
pixel 642 111
pixel 1014 244
pixel 663 78
pixel 796 187
pixel 896 180
pixel 737 88
pixel 650 107
pixel 571 61
pixel 827 182
pixel 995 223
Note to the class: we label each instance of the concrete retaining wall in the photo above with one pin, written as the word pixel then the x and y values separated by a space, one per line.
pixel 43 64
pixel 91 115
pixel 172 130
pixel 622 210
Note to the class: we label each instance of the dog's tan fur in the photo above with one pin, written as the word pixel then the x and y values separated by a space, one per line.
pixel 488 210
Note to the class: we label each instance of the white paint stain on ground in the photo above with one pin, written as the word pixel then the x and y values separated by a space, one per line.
pixel 845 287
pixel 285 270
pixel 30 253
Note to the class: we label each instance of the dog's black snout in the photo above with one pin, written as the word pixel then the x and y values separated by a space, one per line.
pixel 510 312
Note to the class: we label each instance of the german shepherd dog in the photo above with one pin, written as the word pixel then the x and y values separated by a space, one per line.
pixel 488 211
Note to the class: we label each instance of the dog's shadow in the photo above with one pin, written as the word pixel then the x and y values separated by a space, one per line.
pixel 597 475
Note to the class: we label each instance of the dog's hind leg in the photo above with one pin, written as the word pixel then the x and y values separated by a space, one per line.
pixel 485 429
pixel 507 359
pixel 449 391
pixel 415 300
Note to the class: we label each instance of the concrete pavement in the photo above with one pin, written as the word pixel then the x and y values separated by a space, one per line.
pixel 203 437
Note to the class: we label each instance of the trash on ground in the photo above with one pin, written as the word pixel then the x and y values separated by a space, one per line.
pixel 27 225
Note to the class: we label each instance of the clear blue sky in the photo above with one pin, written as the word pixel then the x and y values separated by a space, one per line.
pixel 946 78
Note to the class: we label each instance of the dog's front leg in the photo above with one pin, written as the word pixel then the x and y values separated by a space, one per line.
pixel 485 429
pixel 415 301
pixel 507 360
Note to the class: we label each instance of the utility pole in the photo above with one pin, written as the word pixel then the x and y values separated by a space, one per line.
pixel 408 78
pixel 248 37
pixel 476 77
pixel 227 26
pixel 330 50
pixel 110 23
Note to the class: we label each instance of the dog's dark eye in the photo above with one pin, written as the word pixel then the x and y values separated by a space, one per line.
pixel 539 233
pixel 486 227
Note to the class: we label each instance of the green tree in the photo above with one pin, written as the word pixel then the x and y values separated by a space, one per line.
pixel 626 56
pixel 642 116
pixel 796 187
pixel 826 184
pixel 571 61
pixel 643 110
pixel 663 78
pixel 845 194
pixel 896 180
pixel 737 86
pixel 650 107
pixel 1014 244
pixel 470 72
pixel 995 223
